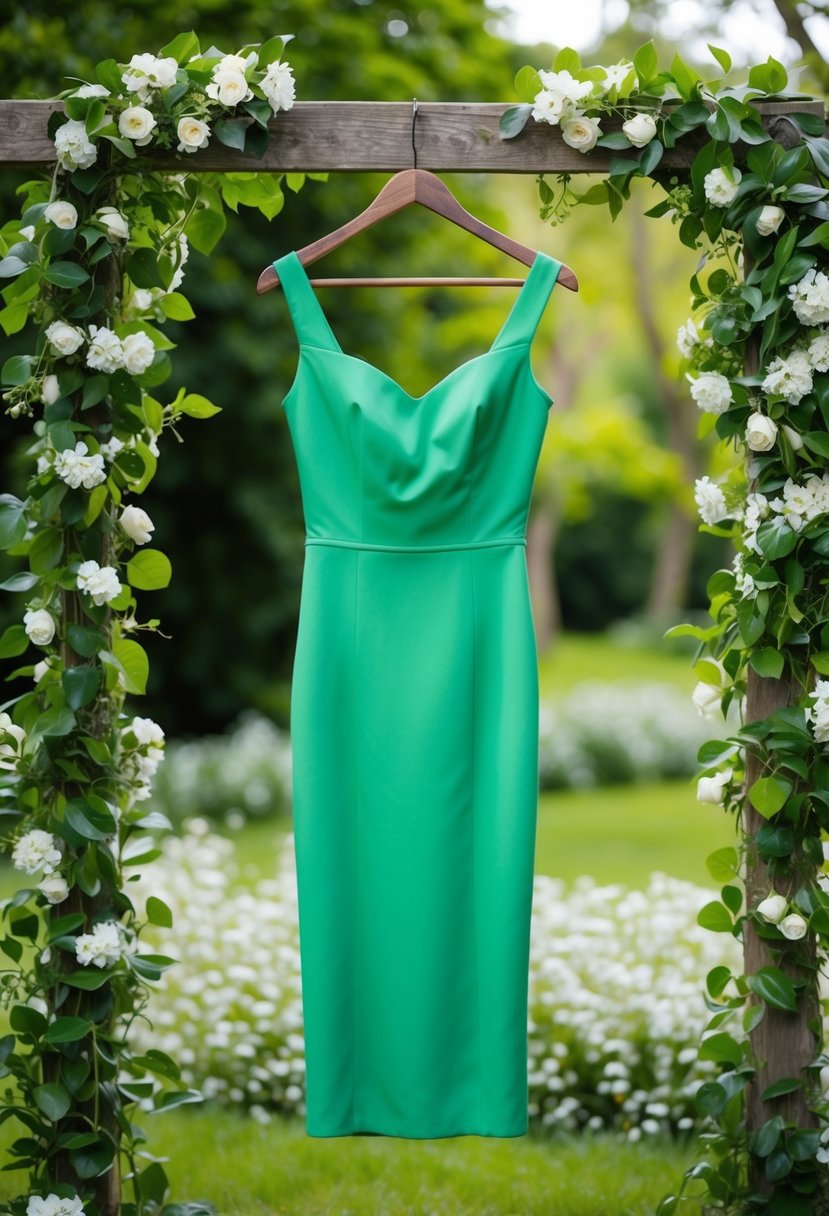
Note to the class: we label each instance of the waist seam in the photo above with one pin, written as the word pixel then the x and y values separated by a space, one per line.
pixel 472 544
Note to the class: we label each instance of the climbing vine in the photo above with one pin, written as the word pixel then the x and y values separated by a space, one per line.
pixel 96 263
pixel 756 356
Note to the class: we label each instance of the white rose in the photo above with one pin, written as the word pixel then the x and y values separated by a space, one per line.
pixel 63 338
pixel 769 220
pixel 810 298
pixel 115 223
pixel 279 86
pixel 105 353
pixel 137 123
pixel 137 524
pixel 62 215
pixel 103 946
pixel 773 908
pixel 91 90
pixel 146 731
pixel 36 850
pixel 761 432
pixel 790 378
pixel 721 188
pixel 40 626
pixel 229 84
pixel 793 927
pixel 687 337
pixel 55 888
pixel 139 352
pixel 192 134
pixel 711 391
pixel 712 789
pixel 710 501
pixel 640 129
pixel 74 148
pixel 49 390
pixel 818 352
pixel 77 468
pixel 581 132
pixel 147 72
pixel 706 699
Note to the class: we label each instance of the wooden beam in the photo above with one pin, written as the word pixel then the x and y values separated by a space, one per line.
pixel 376 136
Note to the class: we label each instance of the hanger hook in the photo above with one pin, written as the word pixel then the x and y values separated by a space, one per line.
pixel 414 122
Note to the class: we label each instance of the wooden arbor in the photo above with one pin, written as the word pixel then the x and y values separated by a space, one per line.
pixel 355 136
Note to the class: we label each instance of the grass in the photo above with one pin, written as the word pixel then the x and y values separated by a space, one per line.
pixel 575 657
pixel 246 1169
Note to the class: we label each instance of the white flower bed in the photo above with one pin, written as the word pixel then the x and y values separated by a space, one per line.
pixel 616 984
pixel 604 733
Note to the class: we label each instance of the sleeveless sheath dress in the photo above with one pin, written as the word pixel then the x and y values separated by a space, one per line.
pixel 414 729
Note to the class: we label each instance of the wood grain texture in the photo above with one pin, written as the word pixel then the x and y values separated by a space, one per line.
pixel 375 136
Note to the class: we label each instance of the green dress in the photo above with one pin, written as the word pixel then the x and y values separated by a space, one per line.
pixel 414 729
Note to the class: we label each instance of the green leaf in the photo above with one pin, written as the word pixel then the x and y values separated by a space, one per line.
pixel 527 83
pixel 109 75
pixel 204 228
pixel 196 406
pixel 177 307
pixel 776 538
pixel 722 864
pixel 710 1099
pixel 722 1047
pixel 767 662
pixel 513 121
pixel 53 1100
pixel 46 549
pixel 231 132
pixel 93 822
pixel 12 520
pixel 820 661
pixel 175 1097
pixel 716 917
pixel 567 60
pixel 778 1165
pixel 65 274
pixel 16 370
pixel 133 660
pixel 722 57
pixel 23 581
pixel 687 80
pixel 183 47
pixel 716 980
pixel 785 1086
pixel 768 795
pixel 159 913
pixel 80 685
pixel 87 980
pixel 646 63
pixel 774 987
pixel 149 570
pixel 83 640
pixel 143 268
pixel 766 1137
pixel 67 1030
pixel 768 77
pixel 13 641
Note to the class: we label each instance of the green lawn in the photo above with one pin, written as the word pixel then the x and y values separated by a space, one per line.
pixel 575 657
pixel 246 1169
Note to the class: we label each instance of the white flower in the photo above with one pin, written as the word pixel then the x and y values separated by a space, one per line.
pixel 794 438
pixel 757 509
pixel 39 670
pixel 761 432
pixel 146 731
pixel 35 851
pixel 53 1205
pixel 115 223
pixel 137 123
pixel 559 97
pixel 63 338
pixel 810 298
pixel 142 299
pixel 640 129
pixel 49 390
pixel 192 134
pixel 105 353
pixel 711 391
pixel 581 132
pixel 712 789
pixel 137 524
pixel 111 448
pixel 706 699
pixel 54 887
pixel 818 351
pixel 773 908
pixel 818 713
pixel 61 214
pixel 710 501
pixel 138 353
pixel 101 582
pixel 91 90
pixel 13 737
pixel 687 337
pixel 793 927
pixel 279 86
pixel 790 378
pixel 77 469
pixel 75 150
pixel 721 187
pixel 228 84
pixel 615 76
pixel 183 255
pixel 27 233
pixel 103 946
pixel 769 220
pixel 147 72
pixel 40 626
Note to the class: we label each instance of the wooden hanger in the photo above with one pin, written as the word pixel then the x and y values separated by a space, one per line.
pixel 407 187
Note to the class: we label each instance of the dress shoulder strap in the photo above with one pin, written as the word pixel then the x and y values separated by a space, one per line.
pixel 309 320
pixel 529 304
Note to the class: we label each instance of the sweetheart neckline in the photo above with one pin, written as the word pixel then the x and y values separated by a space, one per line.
pixel 493 348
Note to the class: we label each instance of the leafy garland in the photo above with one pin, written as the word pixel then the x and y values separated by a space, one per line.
pixel 96 262
pixel 756 355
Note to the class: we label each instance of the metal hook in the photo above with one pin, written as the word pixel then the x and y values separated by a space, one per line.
pixel 414 121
